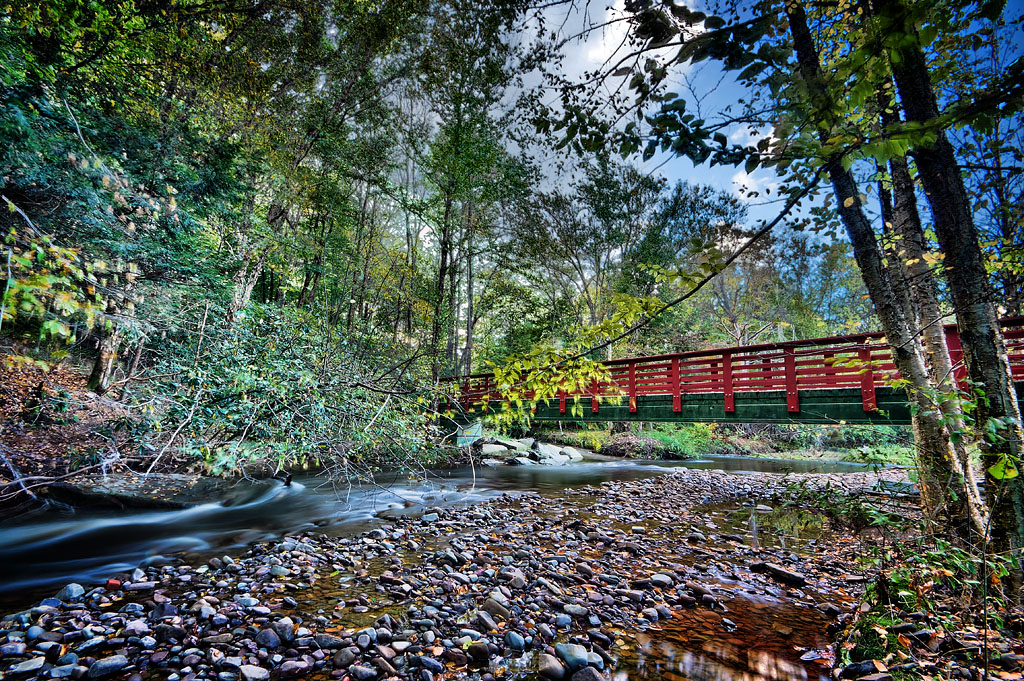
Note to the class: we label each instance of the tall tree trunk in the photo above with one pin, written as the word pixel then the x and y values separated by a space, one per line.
pixel 969 285
pixel 243 282
pixel 439 290
pixel 468 352
pixel 912 254
pixel 937 461
pixel 106 361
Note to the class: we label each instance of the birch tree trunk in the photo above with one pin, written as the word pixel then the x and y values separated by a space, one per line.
pixel 970 289
pixel 937 461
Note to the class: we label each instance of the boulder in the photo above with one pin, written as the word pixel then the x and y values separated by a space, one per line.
pixel 573 453
pixel 512 444
pixel 492 450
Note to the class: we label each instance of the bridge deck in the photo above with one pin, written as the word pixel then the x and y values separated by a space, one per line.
pixel 820 380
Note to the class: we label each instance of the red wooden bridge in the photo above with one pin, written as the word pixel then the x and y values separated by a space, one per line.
pixel 820 380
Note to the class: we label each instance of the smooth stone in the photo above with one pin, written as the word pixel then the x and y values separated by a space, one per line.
pixel 515 641
pixel 28 666
pixel 251 672
pixel 107 666
pixel 662 580
pixel 573 655
pixel 479 651
pixel 576 610
pixel 293 668
pixel 328 642
pixel 549 667
pixel 268 638
pixel 589 674
pixel 70 592
pixel 360 673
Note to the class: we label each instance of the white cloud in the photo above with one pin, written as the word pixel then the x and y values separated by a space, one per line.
pixel 746 184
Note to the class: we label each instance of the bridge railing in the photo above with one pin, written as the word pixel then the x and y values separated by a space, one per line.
pixel 860 361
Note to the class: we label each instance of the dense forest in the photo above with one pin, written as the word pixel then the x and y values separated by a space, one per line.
pixel 244 239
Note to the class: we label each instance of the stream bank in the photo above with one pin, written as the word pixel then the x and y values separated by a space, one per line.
pixel 522 585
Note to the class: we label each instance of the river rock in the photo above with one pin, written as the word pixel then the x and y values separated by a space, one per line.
pixel 268 638
pixel 70 593
pixel 496 609
pixel 515 641
pixel 779 573
pixel 28 666
pixel 107 666
pixel 492 450
pixel 328 641
pixel 344 658
pixel 662 580
pixel 251 672
pixel 576 610
pixel 549 667
pixel 360 673
pixel 292 668
pixel 573 655
pixel 572 453
pixel 589 674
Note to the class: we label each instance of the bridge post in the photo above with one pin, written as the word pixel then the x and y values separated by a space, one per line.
pixel 956 356
pixel 727 387
pixel 792 395
pixel 867 381
pixel 561 401
pixel 632 387
pixel 677 402
pixel 593 397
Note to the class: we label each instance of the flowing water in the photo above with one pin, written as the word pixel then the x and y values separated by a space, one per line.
pixel 53 548
pixel 776 641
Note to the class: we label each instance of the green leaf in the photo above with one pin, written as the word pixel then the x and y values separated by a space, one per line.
pixel 1003 470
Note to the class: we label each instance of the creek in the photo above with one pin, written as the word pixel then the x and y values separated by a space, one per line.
pixel 47 550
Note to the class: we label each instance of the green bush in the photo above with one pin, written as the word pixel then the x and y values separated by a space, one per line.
pixel 687 440
pixel 279 389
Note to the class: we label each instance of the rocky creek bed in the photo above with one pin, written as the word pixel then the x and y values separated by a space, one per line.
pixel 639 579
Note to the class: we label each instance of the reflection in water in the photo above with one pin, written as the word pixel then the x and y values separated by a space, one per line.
pixel 772 642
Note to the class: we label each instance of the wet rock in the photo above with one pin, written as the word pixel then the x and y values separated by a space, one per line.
pixel 549 667
pixel 268 638
pixel 70 593
pixel 107 666
pixel 293 668
pixel 576 610
pixel 251 672
pixel 780 574
pixel 486 621
pixel 864 668
pixel 662 580
pixel 328 642
pixel 515 641
pixel 589 674
pixel 28 666
pixel 573 655
pixel 479 652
